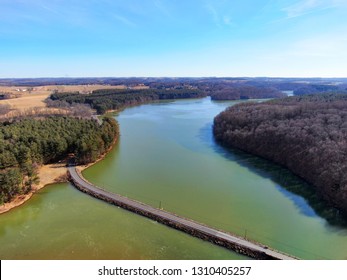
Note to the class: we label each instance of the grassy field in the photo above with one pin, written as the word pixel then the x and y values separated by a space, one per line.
pixel 26 98
pixel 26 101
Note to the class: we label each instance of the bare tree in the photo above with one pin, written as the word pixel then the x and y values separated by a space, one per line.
pixel 81 110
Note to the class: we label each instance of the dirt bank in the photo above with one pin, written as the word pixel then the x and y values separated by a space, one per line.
pixel 48 174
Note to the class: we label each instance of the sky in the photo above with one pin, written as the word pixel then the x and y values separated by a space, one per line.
pixel 173 38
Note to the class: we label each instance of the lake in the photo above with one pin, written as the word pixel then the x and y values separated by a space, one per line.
pixel 166 157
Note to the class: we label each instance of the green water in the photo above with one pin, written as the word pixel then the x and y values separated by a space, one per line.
pixel 166 157
pixel 63 223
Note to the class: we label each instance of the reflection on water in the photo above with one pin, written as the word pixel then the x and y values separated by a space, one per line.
pixel 301 193
pixel 297 190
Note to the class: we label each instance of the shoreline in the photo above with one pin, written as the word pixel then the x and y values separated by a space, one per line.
pixel 50 174
pixel 61 177
pixel 102 156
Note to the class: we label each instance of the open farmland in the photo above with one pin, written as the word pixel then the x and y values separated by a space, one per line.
pixel 23 98
pixel 26 101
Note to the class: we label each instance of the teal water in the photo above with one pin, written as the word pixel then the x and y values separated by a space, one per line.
pixel 63 223
pixel 166 156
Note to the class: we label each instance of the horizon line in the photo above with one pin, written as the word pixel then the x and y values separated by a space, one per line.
pixel 175 77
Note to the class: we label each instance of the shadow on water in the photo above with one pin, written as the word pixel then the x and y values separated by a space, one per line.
pixel 294 188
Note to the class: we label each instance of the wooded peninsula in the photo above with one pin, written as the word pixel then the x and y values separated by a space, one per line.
pixel 28 143
pixel 307 134
pixel 106 100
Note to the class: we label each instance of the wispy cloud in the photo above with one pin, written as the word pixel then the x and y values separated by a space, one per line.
pixel 304 7
pixel 124 20
pixel 218 18
pixel 51 10
pixel 227 20
pixel 160 5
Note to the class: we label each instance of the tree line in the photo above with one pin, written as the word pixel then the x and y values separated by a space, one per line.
pixel 28 143
pixel 315 88
pixel 111 99
pixel 307 134
pixel 246 92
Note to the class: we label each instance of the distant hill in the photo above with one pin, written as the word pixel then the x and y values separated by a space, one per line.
pixel 246 92
pixel 312 89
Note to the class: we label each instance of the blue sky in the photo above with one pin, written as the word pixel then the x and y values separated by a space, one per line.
pixel 91 38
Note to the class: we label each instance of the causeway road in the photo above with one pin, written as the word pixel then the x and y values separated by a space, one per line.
pixel 205 232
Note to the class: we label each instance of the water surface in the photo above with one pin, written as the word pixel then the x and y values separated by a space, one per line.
pixel 167 157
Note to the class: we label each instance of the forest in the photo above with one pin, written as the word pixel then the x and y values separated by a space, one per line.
pixel 315 88
pixel 307 134
pixel 246 92
pixel 110 99
pixel 28 143
pixel 207 83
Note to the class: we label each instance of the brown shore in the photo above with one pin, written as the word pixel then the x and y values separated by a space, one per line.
pixel 49 174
